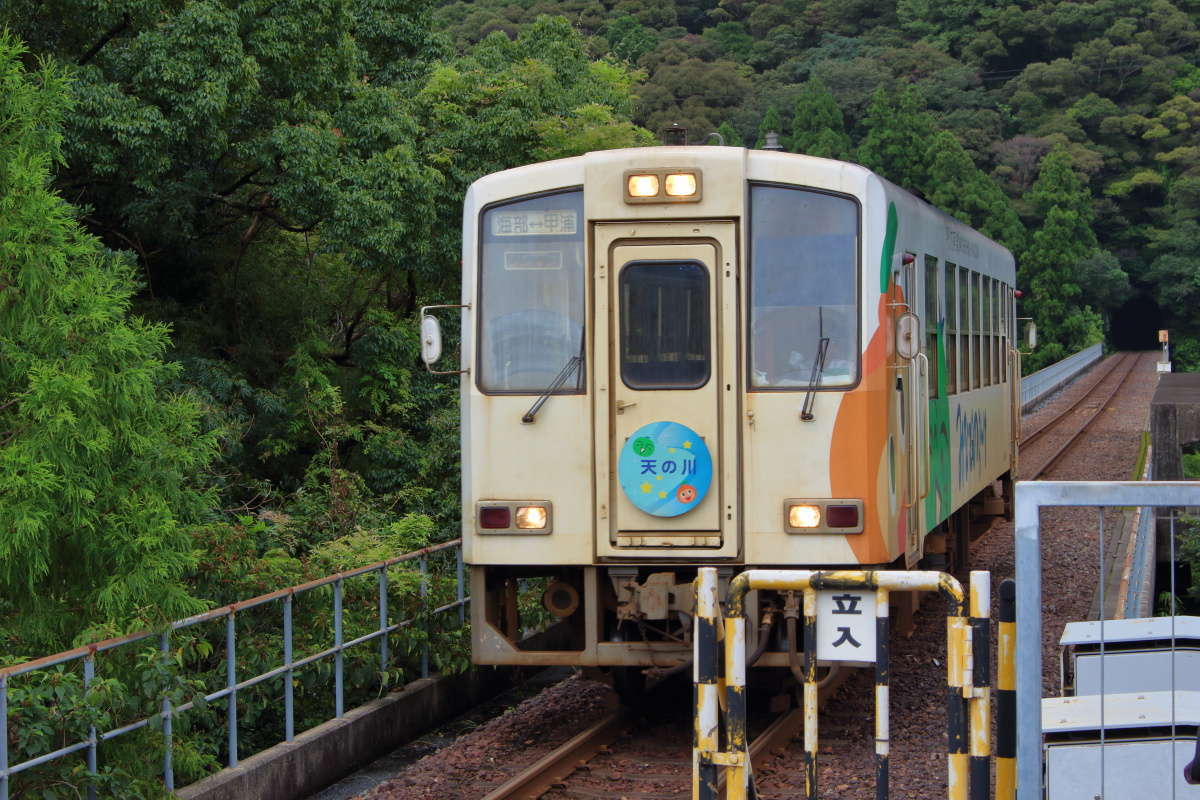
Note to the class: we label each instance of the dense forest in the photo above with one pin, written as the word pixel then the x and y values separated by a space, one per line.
pixel 218 218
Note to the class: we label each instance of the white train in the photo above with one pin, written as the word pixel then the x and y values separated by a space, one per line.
pixel 685 356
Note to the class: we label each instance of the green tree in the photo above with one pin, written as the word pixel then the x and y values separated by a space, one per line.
pixel 771 123
pixel 729 134
pixel 817 125
pixel 202 130
pixel 898 132
pixel 695 93
pixel 949 24
pixel 1175 273
pixel 508 102
pixel 629 40
pixel 1050 265
pixel 98 464
pixel 585 129
pixel 1104 282
pixel 731 40
pixel 956 185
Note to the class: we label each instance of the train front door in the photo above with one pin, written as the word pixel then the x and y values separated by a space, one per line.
pixel 666 336
pixel 910 394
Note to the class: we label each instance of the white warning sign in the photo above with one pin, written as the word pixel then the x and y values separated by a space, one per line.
pixel 846 625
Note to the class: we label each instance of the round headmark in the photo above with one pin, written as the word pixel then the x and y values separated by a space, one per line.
pixel 665 469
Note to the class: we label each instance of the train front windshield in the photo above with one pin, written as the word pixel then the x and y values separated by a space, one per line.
pixel 532 294
pixel 803 287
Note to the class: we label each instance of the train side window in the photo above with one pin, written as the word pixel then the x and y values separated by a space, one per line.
pixel 995 317
pixel 1002 321
pixel 1010 308
pixel 932 317
pixel 531 294
pixel 985 305
pixel 803 288
pixel 976 334
pixel 952 359
pixel 1008 327
pixel 964 328
pixel 665 342
pixel 985 349
pixel 997 328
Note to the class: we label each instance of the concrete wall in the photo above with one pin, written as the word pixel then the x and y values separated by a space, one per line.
pixel 322 755
pixel 1174 422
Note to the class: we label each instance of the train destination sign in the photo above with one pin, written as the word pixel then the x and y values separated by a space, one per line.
pixel 846 625
pixel 533 259
pixel 535 222
pixel 665 469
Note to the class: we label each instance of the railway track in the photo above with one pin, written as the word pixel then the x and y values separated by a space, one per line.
pixel 640 758
pixel 1096 400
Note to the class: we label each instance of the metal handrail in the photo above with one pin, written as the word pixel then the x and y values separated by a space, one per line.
pixel 87 654
pixel 1038 385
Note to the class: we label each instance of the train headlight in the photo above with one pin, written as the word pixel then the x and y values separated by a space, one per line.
pixel 681 184
pixel 514 516
pixel 804 516
pixel 531 517
pixel 643 186
pixel 664 185
pixel 823 516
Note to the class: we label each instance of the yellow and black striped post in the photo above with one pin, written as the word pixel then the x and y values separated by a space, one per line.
pixel 882 697
pixel 810 693
pixel 980 702
pixel 704 688
pixel 957 681
pixel 737 775
pixel 739 784
pixel 1006 693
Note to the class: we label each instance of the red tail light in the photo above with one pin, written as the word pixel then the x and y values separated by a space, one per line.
pixel 494 517
pixel 841 516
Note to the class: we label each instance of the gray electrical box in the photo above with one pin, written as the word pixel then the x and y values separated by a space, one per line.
pixel 1148 738
pixel 1138 655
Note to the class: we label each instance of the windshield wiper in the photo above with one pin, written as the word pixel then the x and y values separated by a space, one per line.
pixel 572 364
pixel 818 367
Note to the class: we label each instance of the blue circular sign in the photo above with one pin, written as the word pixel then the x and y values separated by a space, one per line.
pixel 665 469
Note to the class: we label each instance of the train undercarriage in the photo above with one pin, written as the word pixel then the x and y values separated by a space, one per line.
pixel 641 615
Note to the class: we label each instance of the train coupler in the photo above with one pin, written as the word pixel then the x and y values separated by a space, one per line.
pixel 654 598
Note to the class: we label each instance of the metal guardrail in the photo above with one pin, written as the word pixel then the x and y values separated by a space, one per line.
pixel 1031 498
pixel 1041 383
pixel 233 685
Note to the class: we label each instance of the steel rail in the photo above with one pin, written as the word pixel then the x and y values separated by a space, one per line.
pixel 1029 439
pixel 554 767
pixel 1104 404
pixel 787 726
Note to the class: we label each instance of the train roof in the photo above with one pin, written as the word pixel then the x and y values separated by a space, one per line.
pixel 752 165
